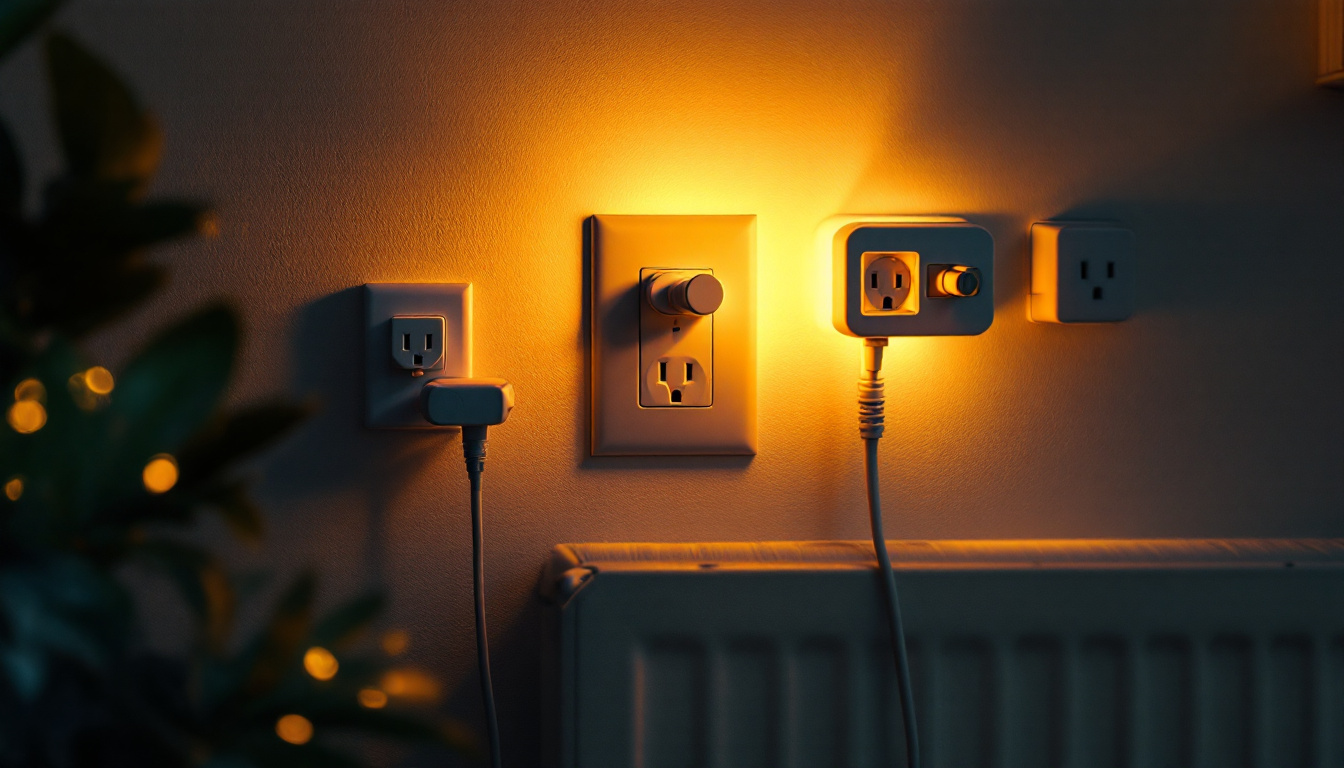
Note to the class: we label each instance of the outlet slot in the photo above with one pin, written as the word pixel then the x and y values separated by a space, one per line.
pixel 662 372
pixel 690 372
pixel 429 341
pixel 676 396
pixel 1096 293
pixel 1110 270
pixel 405 342
pixel 889 285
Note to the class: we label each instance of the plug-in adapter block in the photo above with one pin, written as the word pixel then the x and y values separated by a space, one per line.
pixel 402 320
pixel 1081 272
pixel 909 275
pixel 673 335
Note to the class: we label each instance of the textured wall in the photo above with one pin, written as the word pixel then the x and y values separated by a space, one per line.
pixel 353 141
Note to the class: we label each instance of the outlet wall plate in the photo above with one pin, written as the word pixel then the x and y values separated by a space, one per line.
pixel 1081 272
pixel 926 245
pixel 391 392
pixel 626 249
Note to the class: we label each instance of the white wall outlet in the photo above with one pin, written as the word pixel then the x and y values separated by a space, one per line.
pixel 1081 272
pixel 411 329
pixel 674 335
pixel 909 275
pixel 417 342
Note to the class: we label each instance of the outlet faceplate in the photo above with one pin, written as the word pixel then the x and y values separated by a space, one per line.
pixel 1081 272
pixel 392 383
pixel 640 364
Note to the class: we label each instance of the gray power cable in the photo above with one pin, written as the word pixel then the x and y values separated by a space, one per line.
pixel 473 450
pixel 872 401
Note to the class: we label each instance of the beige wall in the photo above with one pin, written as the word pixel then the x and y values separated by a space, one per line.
pixel 347 142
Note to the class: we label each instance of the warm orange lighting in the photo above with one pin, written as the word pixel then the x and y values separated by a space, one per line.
pixel 30 389
pixel 99 380
pixel 295 729
pixel 160 474
pixel 410 684
pixel 14 488
pixel 320 663
pixel 372 698
pixel 396 642
pixel 27 416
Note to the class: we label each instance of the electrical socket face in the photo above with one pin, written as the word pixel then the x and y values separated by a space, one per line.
pixel 673 335
pixel 411 329
pixel 1081 272
pixel 908 275
pixel 676 352
pixel 417 342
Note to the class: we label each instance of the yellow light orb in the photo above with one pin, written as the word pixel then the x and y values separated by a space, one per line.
pixel 320 663
pixel 99 380
pixel 14 488
pixel 295 729
pixel 30 389
pixel 27 416
pixel 160 473
pixel 372 698
pixel 396 642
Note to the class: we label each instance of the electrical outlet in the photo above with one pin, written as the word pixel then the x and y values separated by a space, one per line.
pixel 909 276
pixel 676 342
pixel 1081 272
pixel 887 282
pixel 673 333
pixel 417 342
pixel 411 329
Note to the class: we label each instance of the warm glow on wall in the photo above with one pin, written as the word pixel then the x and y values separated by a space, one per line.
pixel 372 698
pixel 160 474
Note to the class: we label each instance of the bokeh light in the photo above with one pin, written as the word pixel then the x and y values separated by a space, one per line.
pixel 295 729
pixel 27 416
pixel 372 698
pixel 30 389
pixel 320 663
pixel 410 684
pixel 14 488
pixel 160 474
pixel 396 642
pixel 99 380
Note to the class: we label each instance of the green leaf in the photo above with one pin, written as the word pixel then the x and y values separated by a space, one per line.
pixel 277 648
pixel 20 18
pixel 104 131
pixel 11 174
pixel 169 390
pixel 239 512
pixel 344 625
pixel 201 580
pixel 234 436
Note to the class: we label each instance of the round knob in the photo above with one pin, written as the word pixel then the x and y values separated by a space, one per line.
pixel 680 292
pixel 959 281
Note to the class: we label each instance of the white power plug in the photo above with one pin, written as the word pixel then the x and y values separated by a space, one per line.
pixel 1081 272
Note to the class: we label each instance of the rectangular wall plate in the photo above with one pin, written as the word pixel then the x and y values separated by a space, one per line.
pixel 391 392
pixel 623 247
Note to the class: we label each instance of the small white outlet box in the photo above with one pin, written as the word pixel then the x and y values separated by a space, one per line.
pixel 1081 272
pixel 401 321
pixel 888 273
pixel 673 384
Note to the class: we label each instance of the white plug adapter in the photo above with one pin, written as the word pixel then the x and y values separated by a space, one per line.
pixel 909 275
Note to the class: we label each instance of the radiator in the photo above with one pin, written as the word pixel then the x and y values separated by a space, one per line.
pixel 1090 654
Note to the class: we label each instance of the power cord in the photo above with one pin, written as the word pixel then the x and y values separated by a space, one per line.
pixel 872 401
pixel 473 405
pixel 473 450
